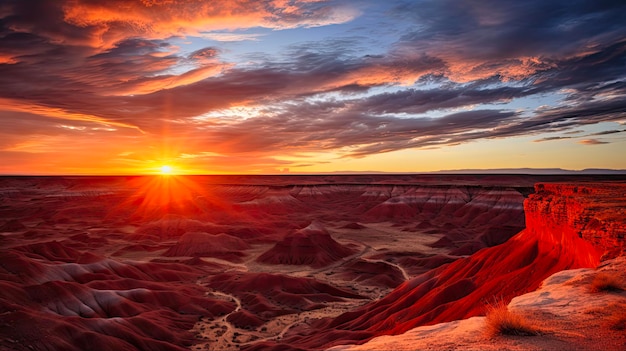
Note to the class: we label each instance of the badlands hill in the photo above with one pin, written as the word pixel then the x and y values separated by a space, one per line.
pixel 311 246
pixel 293 262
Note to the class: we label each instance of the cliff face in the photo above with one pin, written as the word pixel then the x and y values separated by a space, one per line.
pixel 594 212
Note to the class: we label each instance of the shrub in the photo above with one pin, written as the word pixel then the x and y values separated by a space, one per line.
pixel 606 282
pixel 501 321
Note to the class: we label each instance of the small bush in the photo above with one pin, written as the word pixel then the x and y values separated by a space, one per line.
pixel 501 321
pixel 606 282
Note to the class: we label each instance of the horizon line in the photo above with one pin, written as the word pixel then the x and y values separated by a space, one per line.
pixel 469 171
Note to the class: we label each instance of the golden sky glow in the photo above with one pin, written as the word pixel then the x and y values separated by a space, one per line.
pixel 126 87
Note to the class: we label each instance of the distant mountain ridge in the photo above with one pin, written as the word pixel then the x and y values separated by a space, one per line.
pixel 533 171
pixel 530 171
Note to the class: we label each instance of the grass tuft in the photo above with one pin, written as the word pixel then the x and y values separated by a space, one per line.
pixel 604 282
pixel 501 321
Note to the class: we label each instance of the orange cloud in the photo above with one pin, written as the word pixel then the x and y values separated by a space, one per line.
pixel 118 19
pixel 592 142
pixel 7 59
pixel 154 84
pixel 386 72
pixel 462 70
pixel 59 113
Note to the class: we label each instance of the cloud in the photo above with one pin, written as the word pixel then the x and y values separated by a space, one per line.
pixel 295 131
pixel 447 81
pixel 510 39
pixel 592 142
pixel 98 25
pixel 116 19
pixel 239 163
pixel 607 132
pixel 550 139
pixel 291 124
pixel 227 37
pixel 30 110
pixel 384 122
pixel 415 101
pixel 207 53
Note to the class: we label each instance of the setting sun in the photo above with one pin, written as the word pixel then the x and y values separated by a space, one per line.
pixel 166 169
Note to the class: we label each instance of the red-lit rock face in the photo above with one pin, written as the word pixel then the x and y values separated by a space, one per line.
pixel 593 212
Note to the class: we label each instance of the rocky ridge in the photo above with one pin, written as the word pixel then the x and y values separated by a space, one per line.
pixel 568 314
pixel 569 226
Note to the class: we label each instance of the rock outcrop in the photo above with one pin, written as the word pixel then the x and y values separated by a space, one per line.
pixel 200 244
pixel 568 226
pixel 575 317
pixel 594 212
pixel 312 246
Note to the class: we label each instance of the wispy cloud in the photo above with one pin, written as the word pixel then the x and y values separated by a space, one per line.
pixel 226 36
pixel 592 142
pixel 551 139
pixel 607 132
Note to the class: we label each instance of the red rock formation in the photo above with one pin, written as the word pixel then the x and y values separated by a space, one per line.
pixel 12 225
pixel 461 203
pixel 470 217
pixel 568 226
pixel 312 246
pixel 212 245
pixel 55 298
pixel 274 201
pixel 594 212
pixel 168 227
pixel 370 273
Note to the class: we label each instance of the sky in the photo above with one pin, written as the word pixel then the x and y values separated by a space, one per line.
pixel 310 86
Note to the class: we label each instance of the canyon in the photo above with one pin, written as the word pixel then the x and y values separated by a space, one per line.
pixel 283 262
